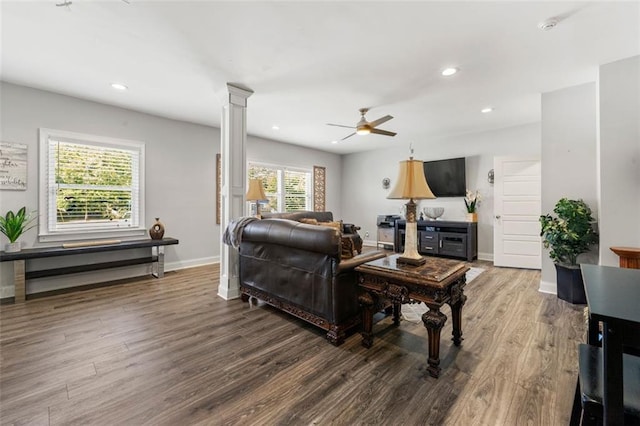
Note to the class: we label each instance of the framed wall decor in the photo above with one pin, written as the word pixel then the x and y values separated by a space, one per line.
pixel 13 166
pixel 319 182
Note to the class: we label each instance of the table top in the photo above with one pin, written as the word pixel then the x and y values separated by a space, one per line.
pixel 612 293
pixel 633 252
pixel 53 251
pixel 435 271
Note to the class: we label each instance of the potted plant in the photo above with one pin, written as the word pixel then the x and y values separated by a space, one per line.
pixel 13 225
pixel 471 201
pixel 568 235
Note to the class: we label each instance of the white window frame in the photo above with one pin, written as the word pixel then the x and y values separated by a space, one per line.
pixel 281 189
pixel 46 194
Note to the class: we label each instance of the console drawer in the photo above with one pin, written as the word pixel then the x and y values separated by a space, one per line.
pixel 428 242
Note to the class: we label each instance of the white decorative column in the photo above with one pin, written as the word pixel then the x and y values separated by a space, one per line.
pixel 233 162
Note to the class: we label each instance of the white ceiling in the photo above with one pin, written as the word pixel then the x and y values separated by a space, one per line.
pixel 316 62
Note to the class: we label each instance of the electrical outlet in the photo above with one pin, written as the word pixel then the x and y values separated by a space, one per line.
pixel 366 234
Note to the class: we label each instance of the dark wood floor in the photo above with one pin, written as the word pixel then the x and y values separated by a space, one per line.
pixel 171 352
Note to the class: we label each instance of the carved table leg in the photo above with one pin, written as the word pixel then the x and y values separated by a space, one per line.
pixel 434 321
pixel 367 304
pixel 397 310
pixel 456 317
pixel 335 335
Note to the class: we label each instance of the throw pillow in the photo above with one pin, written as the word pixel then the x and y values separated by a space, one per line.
pixel 336 224
pixel 347 248
pixel 309 221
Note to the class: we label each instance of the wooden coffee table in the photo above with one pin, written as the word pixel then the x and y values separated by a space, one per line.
pixel 435 283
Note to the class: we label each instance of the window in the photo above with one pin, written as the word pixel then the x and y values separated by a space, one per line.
pixel 89 186
pixel 287 189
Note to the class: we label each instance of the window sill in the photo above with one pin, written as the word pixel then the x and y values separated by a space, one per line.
pixel 92 235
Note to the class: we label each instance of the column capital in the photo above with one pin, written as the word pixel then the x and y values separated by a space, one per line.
pixel 238 94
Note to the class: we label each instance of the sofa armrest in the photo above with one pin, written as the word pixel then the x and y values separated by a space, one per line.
pixel 349 228
pixel 358 260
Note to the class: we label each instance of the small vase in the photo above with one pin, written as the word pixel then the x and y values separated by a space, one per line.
pixel 13 247
pixel 472 217
pixel 156 232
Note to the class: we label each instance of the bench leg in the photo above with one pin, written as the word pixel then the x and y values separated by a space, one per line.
pixel 19 281
pixel 159 269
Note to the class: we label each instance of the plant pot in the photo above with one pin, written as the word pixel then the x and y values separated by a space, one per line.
pixel 570 285
pixel 13 247
pixel 472 217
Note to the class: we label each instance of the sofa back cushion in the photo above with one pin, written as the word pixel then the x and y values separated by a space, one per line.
pixel 319 216
pixel 291 234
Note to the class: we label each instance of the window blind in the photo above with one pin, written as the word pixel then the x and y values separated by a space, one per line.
pixel 92 186
pixel 286 189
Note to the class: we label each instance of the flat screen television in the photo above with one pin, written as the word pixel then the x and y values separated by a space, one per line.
pixel 446 178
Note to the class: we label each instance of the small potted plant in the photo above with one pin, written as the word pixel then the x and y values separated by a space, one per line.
pixel 471 201
pixel 568 235
pixel 13 225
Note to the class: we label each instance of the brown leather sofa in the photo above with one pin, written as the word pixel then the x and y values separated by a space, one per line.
pixel 297 268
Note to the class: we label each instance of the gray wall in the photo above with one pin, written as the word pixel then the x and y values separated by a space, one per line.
pixel 363 197
pixel 180 171
pixel 568 156
pixel 619 149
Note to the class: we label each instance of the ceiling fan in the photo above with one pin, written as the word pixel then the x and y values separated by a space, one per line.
pixel 365 127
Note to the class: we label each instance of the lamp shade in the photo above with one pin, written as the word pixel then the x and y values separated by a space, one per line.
pixel 255 191
pixel 411 183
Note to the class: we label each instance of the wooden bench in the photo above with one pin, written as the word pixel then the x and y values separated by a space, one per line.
pixel 20 259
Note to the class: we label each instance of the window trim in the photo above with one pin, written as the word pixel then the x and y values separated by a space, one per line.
pixel 281 168
pixel 44 235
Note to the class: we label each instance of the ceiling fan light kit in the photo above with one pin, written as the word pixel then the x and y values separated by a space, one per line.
pixel 365 127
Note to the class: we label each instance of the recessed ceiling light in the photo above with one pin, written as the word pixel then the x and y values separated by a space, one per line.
pixel 274 127
pixel 449 71
pixel 119 86
pixel 486 110
pixel 334 142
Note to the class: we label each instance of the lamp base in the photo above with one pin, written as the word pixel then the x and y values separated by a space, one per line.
pixel 411 261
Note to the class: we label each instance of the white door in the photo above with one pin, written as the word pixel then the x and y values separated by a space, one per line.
pixel 516 230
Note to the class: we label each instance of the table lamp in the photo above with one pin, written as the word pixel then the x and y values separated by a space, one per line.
pixel 256 193
pixel 412 185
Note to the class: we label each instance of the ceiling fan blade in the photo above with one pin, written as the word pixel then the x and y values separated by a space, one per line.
pixel 383 132
pixel 348 136
pixel 380 120
pixel 340 125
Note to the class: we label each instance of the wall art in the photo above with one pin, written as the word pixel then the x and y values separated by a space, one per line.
pixel 13 166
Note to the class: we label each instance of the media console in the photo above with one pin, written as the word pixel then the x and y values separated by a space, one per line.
pixel 442 238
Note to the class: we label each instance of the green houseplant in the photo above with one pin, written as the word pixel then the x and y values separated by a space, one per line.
pixel 13 225
pixel 567 235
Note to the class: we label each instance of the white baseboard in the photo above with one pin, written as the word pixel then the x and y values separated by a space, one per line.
pixel 485 256
pixel 548 287
pixel 6 291
pixel 175 266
